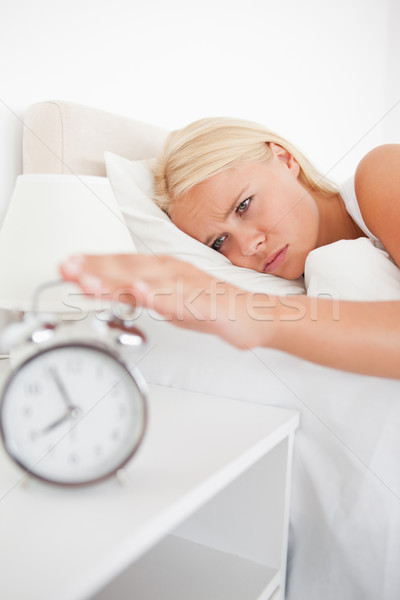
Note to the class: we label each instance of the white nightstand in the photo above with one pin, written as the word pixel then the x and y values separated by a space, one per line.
pixel 203 515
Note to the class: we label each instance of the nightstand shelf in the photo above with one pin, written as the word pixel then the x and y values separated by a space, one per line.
pixel 177 565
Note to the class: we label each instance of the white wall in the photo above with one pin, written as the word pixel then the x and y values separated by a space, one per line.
pixel 391 108
pixel 322 73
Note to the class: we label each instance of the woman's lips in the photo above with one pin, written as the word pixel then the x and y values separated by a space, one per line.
pixel 275 260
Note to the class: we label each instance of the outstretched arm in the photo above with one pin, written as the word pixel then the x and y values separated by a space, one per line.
pixel 362 337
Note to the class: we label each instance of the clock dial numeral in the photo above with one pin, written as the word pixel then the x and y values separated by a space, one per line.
pixel 116 435
pixel 73 459
pixel 27 411
pixel 98 450
pixel 32 388
pixel 122 411
pixel 115 391
pixel 74 365
pixel 51 452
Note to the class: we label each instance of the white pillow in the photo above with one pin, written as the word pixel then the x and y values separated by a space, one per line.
pixel 153 231
pixel 352 270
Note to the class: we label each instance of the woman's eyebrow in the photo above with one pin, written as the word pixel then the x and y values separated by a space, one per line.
pixel 235 202
pixel 228 212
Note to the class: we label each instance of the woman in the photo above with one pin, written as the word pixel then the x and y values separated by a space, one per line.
pixel 249 194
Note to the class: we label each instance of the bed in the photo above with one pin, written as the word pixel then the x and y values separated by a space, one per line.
pixel 344 537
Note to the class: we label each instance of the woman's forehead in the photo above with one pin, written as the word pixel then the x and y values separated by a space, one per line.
pixel 211 196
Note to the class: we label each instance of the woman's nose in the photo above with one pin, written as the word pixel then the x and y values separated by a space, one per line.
pixel 251 244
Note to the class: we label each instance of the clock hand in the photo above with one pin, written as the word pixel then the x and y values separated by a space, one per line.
pixel 63 391
pixel 55 424
pixel 70 414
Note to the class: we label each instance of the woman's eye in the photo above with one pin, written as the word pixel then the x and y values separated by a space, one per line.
pixel 217 244
pixel 243 206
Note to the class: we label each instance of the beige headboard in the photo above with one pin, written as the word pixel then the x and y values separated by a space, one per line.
pixel 64 138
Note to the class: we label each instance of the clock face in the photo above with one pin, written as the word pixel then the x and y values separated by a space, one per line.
pixel 72 414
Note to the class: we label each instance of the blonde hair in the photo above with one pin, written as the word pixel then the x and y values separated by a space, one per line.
pixel 206 147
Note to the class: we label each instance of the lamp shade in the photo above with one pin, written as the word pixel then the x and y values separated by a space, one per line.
pixel 49 218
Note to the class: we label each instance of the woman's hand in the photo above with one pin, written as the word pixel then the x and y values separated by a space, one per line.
pixel 183 294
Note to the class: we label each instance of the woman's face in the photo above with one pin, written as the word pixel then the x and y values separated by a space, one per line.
pixel 258 215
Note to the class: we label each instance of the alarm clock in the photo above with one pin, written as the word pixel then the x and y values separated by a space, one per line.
pixel 72 411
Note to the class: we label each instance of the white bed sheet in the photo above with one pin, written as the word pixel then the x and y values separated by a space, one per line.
pixel 345 509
